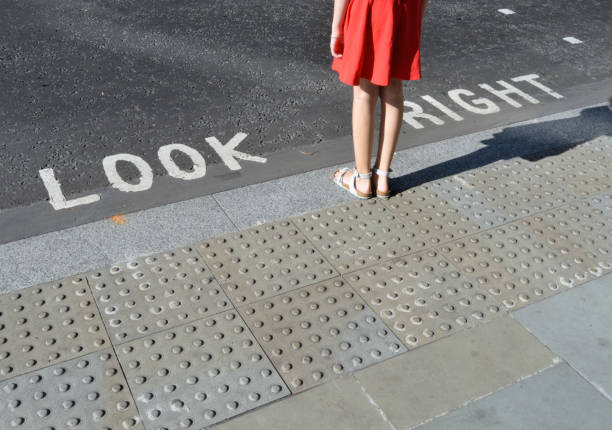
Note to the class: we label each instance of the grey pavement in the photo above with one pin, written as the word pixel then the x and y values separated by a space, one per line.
pixel 476 297
pixel 557 398
pixel 576 325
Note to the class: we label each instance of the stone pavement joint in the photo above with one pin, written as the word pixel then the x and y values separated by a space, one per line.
pixel 287 309
pixel 199 374
pixel 48 324
pixel 559 394
pixel 359 234
pixel 319 331
pixel 154 293
pixel 576 325
pixel 264 261
pixel 422 297
pixel 87 392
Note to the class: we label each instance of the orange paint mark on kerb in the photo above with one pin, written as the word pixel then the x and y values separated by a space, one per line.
pixel 118 219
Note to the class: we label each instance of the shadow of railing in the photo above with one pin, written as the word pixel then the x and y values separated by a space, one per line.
pixel 530 141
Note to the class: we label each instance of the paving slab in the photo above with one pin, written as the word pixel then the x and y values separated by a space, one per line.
pixel 582 171
pixel 473 203
pixel 79 249
pixel 422 297
pixel 359 234
pixel 89 392
pixel 516 187
pixel 579 170
pixel 154 293
pixel 557 398
pixel 581 235
pixel 434 219
pixel 443 375
pixel 319 332
pixel 602 201
pixel 264 261
pixel 199 374
pixel 293 195
pixel 339 404
pixel 576 325
pixel 511 264
pixel 46 324
pixel 575 172
pixel 601 144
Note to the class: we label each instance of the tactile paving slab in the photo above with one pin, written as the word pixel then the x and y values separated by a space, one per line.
pixel 88 392
pixel 318 332
pixel 471 202
pixel 423 298
pixel 359 234
pixel 48 323
pixel 577 175
pixel 580 233
pixel 199 374
pixel 601 145
pixel 154 293
pixel 602 201
pixel 433 219
pixel 264 261
pixel 517 187
pixel 512 264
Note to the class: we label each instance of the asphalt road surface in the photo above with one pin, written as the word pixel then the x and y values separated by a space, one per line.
pixel 84 81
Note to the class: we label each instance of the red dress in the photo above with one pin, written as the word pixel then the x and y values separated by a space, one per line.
pixel 381 41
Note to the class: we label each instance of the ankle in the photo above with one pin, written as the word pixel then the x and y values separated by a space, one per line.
pixel 363 183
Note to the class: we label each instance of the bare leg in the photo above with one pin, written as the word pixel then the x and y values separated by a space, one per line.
pixel 392 109
pixel 365 97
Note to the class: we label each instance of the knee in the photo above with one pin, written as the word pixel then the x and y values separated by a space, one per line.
pixel 368 94
pixel 393 94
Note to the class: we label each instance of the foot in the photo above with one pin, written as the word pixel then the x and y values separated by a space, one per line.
pixel 381 183
pixel 364 186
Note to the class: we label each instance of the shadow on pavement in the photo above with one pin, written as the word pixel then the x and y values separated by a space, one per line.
pixel 531 142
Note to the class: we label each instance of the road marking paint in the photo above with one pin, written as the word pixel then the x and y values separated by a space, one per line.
pixel 414 115
pixel 116 181
pixel 199 164
pixel 509 89
pixel 470 102
pixel 448 112
pixel 56 196
pixel 228 153
pixel 417 112
pixel 532 80
pixel 489 106
pixel 506 11
pixel 572 40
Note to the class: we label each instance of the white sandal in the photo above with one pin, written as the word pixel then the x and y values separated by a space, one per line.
pixel 351 188
pixel 381 194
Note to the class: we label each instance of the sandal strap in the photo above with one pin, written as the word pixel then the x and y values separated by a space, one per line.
pixel 363 175
pixel 338 180
pixel 382 172
pixel 353 182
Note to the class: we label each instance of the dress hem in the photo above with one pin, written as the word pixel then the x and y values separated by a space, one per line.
pixel 411 77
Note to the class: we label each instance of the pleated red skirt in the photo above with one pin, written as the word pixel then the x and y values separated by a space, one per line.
pixel 381 41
